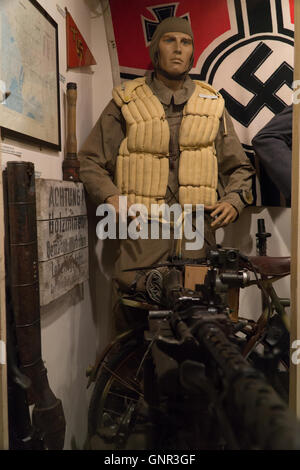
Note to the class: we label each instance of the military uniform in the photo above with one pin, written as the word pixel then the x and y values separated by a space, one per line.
pixel 98 158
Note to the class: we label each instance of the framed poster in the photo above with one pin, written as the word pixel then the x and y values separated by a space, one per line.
pixel 29 72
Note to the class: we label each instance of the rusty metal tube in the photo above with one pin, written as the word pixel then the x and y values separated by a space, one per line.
pixel 48 416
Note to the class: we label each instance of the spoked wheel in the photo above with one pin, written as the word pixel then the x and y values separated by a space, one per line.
pixel 117 412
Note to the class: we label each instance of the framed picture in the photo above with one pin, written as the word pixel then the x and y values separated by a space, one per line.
pixel 29 71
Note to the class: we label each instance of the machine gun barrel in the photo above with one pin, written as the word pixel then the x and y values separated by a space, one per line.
pixel 259 416
pixel 251 414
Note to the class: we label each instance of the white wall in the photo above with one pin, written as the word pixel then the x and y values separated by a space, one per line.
pixel 70 336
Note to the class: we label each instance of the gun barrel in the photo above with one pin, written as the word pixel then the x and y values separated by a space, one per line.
pixel 260 416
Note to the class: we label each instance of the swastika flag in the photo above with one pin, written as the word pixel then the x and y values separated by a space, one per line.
pixel 243 48
pixel 78 53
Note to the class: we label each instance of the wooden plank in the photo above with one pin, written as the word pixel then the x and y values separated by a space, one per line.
pixel 4 443
pixel 294 398
pixel 71 234
pixel 194 275
pixel 58 199
pixel 112 48
pixel 62 229
pixel 61 274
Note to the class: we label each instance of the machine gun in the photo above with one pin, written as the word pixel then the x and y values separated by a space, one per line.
pixel 189 381
pixel 203 393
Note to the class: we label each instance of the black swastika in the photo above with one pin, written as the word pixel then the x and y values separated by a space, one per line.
pixel 264 92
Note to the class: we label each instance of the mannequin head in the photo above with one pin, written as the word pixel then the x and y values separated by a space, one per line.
pixel 172 48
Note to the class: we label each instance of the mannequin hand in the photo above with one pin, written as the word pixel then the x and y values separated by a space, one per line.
pixel 122 214
pixel 114 201
pixel 225 213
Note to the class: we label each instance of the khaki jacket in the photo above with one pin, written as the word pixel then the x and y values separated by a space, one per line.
pixel 97 170
pixel 99 153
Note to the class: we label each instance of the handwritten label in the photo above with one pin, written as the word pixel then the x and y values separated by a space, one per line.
pixel 10 150
pixel 62 228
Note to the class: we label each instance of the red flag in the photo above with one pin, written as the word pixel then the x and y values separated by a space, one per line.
pixel 78 53
pixel 249 61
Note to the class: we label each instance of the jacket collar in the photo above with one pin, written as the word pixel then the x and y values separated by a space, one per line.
pixel 165 94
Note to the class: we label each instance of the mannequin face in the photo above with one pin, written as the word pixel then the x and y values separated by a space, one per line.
pixel 175 52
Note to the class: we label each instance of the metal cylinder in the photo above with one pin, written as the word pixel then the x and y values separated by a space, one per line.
pixel 47 414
